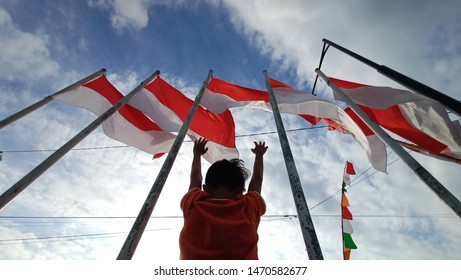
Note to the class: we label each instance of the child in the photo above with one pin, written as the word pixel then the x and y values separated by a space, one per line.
pixel 221 222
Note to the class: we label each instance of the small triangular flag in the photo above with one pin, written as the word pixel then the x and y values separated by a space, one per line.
pixel 348 242
pixel 347 226
pixel 347 254
pixel 346 213
pixel 350 168
pixel 345 201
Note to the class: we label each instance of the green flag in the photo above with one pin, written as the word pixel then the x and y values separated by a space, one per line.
pixel 348 242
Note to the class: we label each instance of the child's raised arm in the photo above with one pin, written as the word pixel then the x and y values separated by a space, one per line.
pixel 258 168
pixel 196 170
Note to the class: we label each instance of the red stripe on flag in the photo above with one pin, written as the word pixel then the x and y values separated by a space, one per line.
pixel 311 119
pixel 346 213
pixel 157 155
pixel 218 128
pixel 236 92
pixel 346 84
pixel 277 84
pixel 350 168
pixel 391 119
pixel 102 86
pixel 363 126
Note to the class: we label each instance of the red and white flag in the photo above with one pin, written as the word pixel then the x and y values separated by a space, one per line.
pixel 221 95
pixel 168 107
pixel 128 125
pixel 419 119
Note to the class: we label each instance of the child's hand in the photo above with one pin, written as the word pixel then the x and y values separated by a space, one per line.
pixel 260 148
pixel 199 146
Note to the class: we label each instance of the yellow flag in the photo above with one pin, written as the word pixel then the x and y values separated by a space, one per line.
pixel 345 201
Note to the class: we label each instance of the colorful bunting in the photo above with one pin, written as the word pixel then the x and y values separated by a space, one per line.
pixel 348 242
pixel 346 215
pixel 347 253
pixel 349 168
pixel 345 201
pixel 347 226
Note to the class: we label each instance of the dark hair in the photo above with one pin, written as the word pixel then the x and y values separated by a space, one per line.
pixel 230 173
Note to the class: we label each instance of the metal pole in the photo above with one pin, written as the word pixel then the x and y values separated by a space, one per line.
pixel 307 226
pixel 342 202
pixel 447 101
pixel 322 56
pixel 22 184
pixel 131 243
pixel 48 99
pixel 420 171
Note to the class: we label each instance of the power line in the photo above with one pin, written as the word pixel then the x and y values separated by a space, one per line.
pixel 68 237
pixel 352 185
pixel 60 238
pixel 124 217
pixel 126 146
pixel 357 177
pixel 265 216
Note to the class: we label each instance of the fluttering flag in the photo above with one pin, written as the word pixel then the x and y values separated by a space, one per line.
pixel 347 226
pixel 349 168
pixel 348 242
pixel 419 119
pixel 221 95
pixel 128 125
pixel 169 107
pixel 345 200
pixel 346 215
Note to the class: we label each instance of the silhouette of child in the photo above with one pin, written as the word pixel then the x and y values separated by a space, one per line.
pixel 220 222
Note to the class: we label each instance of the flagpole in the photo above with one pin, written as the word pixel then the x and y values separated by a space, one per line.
pixel 419 170
pixel 129 247
pixel 342 219
pixel 322 56
pixel 447 101
pixel 48 99
pixel 22 184
pixel 314 251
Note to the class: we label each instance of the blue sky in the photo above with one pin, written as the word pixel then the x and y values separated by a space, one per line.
pixel 47 45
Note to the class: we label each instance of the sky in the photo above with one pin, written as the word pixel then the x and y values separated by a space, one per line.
pixel 85 204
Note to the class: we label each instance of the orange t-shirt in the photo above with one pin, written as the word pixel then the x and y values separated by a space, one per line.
pixel 220 229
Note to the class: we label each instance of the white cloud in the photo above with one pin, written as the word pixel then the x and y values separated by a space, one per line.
pixel 115 182
pixel 23 54
pixel 131 15
pixel 390 34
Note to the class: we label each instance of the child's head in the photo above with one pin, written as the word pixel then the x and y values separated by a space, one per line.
pixel 230 174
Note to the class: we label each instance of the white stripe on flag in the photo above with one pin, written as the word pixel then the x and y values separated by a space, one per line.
pixel 296 102
pixel 168 120
pixel 347 226
pixel 117 126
